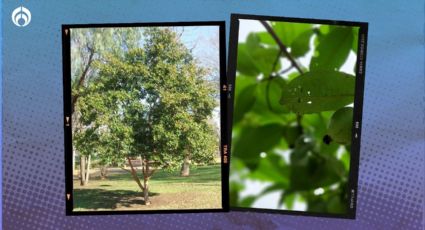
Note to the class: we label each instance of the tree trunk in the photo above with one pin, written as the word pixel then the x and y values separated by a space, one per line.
pixel 103 172
pixel 146 191
pixel 88 169
pixel 83 170
pixel 185 170
pixel 73 162
pixel 147 173
pixel 146 176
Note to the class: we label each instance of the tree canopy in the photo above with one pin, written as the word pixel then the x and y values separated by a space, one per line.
pixel 151 101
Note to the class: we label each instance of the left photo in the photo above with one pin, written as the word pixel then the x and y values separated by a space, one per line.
pixel 143 117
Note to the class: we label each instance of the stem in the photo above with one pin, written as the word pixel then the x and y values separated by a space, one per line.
pixel 269 105
pixel 300 128
pixel 282 47
pixel 286 70
pixel 275 62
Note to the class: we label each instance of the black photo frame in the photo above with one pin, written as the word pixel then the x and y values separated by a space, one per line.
pixel 357 113
pixel 67 116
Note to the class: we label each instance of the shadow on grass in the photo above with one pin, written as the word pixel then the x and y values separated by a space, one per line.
pixel 201 174
pixel 107 199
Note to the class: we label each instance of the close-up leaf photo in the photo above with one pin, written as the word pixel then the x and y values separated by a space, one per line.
pixel 293 116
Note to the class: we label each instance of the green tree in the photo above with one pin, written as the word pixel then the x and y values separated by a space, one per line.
pixel 291 123
pixel 154 103
pixel 88 46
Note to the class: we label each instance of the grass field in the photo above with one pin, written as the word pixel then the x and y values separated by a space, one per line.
pixel 201 190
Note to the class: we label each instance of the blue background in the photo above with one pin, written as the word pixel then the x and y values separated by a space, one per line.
pixel 391 180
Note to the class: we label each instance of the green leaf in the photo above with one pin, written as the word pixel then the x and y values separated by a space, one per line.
pixel 266 38
pixel 288 198
pixel 245 61
pixel 332 49
pixel 291 134
pixel 314 171
pixel 264 117
pixel 272 168
pixel 268 94
pixel 247 201
pixel 235 189
pixel 242 82
pixel 253 58
pixel 254 140
pixel 335 205
pixel 293 35
pixel 243 102
pixel 272 188
pixel 340 126
pixel 304 146
pixel 301 45
pixel 345 159
pixel 253 41
pixel 318 91
pixel 317 205
pixel 288 32
pixel 316 124
pixel 355 39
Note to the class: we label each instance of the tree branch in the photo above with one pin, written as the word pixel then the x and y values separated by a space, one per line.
pixel 282 47
pixel 82 78
pixel 134 174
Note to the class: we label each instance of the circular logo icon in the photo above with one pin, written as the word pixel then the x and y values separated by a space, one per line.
pixel 21 16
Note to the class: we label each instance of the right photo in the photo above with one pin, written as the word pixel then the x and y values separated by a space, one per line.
pixel 294 99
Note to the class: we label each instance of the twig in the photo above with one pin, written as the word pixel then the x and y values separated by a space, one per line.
pixel 269 105
pixel 275 62
pixel 282 47
pixel 286 70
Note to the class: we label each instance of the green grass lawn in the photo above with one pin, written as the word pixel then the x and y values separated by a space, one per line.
pixel 168 190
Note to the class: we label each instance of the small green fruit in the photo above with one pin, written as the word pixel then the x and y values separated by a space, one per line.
pixel 340 127
pixel 291 134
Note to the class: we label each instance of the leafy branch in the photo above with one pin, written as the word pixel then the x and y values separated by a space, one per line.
pixel 282 46
pixel 284 49
pixel 83 77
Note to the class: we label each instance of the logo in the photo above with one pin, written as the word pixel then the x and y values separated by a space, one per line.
pixel 21 16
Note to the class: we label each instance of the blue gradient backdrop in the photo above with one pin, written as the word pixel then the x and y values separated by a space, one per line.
pixel 391 180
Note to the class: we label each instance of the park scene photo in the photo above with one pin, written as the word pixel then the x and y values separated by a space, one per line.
pixel 145 115
pixel 293 116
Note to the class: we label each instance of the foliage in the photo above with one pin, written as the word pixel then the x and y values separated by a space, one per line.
pixel 291 126
pixel 151 101
pixel 88 46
